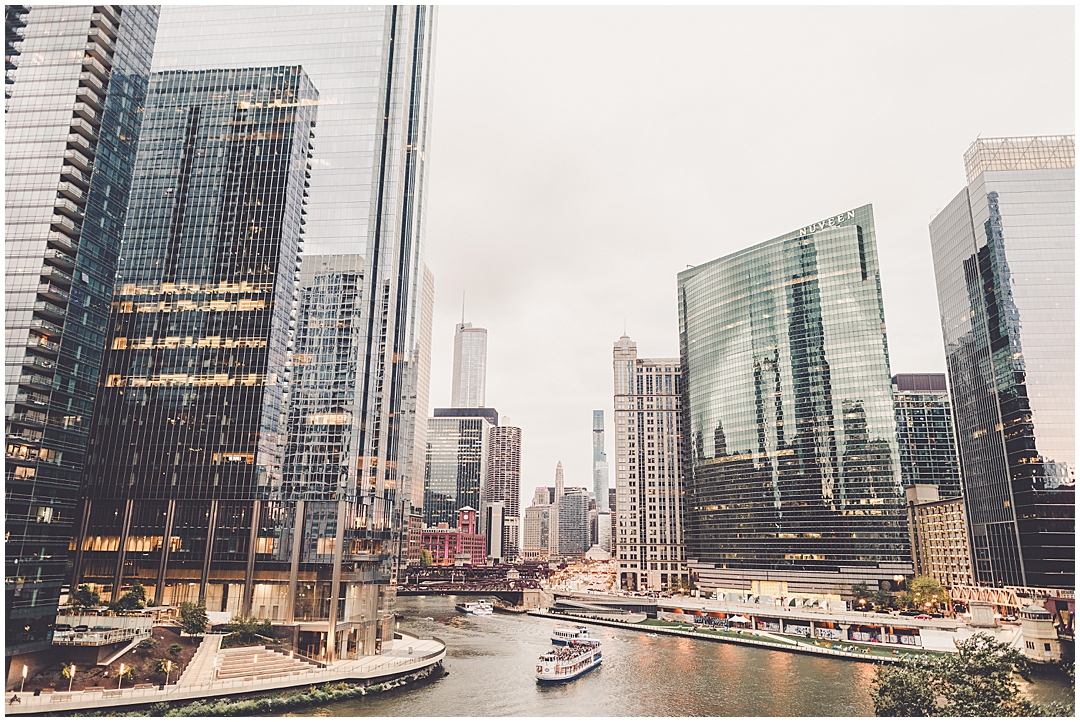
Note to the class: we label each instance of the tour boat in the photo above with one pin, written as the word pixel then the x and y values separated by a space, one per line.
pixel 563 636
pixel 480 608
pixel 576 658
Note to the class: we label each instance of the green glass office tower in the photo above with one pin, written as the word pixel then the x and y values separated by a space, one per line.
pixel 75 86
pixel 1004 259
pixel 791 465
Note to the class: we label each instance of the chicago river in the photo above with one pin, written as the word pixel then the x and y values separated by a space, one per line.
pixel 492 663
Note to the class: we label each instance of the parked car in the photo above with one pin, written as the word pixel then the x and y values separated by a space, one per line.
pixel 923 616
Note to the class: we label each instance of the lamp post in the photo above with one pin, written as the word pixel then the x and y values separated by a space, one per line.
pixel 120 677
pixel 71 677
pixel 24 671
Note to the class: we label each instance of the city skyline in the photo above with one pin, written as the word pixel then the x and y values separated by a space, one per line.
pixel 573 217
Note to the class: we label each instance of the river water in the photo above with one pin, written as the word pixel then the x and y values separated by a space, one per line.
pixel 492 660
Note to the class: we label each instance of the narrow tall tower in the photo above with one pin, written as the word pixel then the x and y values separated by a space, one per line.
pixel 470 367
pixel 599 459
pixel 554 524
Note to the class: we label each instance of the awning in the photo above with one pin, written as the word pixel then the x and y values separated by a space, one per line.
pixel 740 618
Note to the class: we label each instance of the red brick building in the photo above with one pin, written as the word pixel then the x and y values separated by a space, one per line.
pixel 445 543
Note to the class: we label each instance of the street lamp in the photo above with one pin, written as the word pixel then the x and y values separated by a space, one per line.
pixel 168 669
pixel 71 676
pixel 24 671
pixel 120 677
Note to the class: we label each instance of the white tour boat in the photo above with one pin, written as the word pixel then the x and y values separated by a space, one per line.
pixel 564 635
pixel 480 608
pixel 574 659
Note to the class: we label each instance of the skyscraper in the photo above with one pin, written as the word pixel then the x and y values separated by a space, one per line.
pixel 457 460
pixel 536 528
pixel 793 471
pixel 419 371
pixel 925 433
pixel 504 483
pixel 553 536
pixel 76 82
pixel 573 511
pixel 470 366
pixel 650 505
pixel 373 66
pixel 186 440
pixel 1004 254
pixel 600 467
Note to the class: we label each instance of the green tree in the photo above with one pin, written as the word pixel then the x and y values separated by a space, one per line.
pixel 68 670
pixel 247 631
pixel 135 598
pixel 148 643
pixel 193 619
pixel 883 599
pixel 861 596
pixel 425 558
pixel 924 594
pixel 83 597
pixel 979 681
pixel 174 649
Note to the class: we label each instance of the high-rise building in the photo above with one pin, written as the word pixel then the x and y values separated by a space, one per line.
pixel 457 460
pixel 573 511
pixel 925 433
pixel 543 496
pixel 470 366
pixel 536 530
pixel 553 536
pixel 650 507
pixel 183 490
pixel 495 543
pixel 793 471
pixel 939 539
pixel 504 483
pixel 600 467
pixel 76 81
pixel 418 385
pixel 1004 259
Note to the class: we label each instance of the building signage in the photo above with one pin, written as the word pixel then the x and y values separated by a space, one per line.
pixel 827 223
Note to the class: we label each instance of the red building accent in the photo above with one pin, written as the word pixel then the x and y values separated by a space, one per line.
pixel 445 543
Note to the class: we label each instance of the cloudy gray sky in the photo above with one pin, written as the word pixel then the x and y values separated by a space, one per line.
pixel 581 157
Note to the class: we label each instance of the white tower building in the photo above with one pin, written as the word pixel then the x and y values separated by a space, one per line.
pixel 470 367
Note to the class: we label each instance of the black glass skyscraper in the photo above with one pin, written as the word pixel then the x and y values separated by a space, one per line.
pixel 924 431
pixel 1004 258
pixel 76 83
pixel 791 465
pixel 183 474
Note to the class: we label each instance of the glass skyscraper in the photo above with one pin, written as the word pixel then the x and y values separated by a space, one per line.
pixel 76 81
pixel 457 461
pixel 924 431
pixel 183 480
pixel 503 483
pixel 793 477
pixel 470 366
pixel 599 459
pixel 1004 255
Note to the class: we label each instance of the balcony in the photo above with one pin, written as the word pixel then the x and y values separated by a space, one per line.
pixel 79 125
pixel 36 381
pixel 59 258
pixel 102 38
pixel 37 363
pixel 26 436
pixel 50 311
pixel 91 80
pixel 40 343
pixel 72 174
pixel 66 226
pixel 103 21
pixel 29 418
pixel 67 208
pixel 52 273
pixel 80 143
pixel 95 67
pixel 72 191
pixel 91 97
pixel 109 11
pixel 29 398
pixel 87 113
pixel 78 160
pixel 99 53
pixel 67 244
pixel 40 324
pixel 53 293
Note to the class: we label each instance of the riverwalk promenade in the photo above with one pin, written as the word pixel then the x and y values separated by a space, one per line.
pixel 201 680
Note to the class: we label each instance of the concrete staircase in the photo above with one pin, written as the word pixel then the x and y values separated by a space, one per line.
pixel 251 663
pixel 201 667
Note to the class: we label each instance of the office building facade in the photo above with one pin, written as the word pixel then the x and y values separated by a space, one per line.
pixel 573 531
pixel 924 432
pixel 600 466
pixel 470 366
pixel 183 487
pixel 1004 254
pixel 504 484
pixel 939 538
pixel 791 453
pixel 76 80
pixel 456 466
pixel 650 505
pixel 535 533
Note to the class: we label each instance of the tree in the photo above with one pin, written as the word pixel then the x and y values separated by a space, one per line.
pixel 134 599
pixel 83 597
pixel 979 681
pixel 193 619
pixel 425 558
pixel 248 630
pixel 883 599
pixel 68 670
pixel 861 596
pixel 924 594
pixel 174 649
pixel 148 643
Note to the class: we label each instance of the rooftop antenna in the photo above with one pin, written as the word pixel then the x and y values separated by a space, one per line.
pixel 462 308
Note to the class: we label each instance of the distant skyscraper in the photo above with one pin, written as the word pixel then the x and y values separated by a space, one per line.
pixel 470 366
pixel 1004 256
pixel 573 529
pixel 504 483
pixel 457 459
pixel 650 507
pixel 600 467
pixel 418 387
pixel 793 467
pixel 536 530
pixel 76 84
pixel 187 440
pixel 554 535
pixel 543 496
pixel 925 433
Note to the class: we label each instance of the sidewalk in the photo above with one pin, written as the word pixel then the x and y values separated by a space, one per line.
pixel 403 656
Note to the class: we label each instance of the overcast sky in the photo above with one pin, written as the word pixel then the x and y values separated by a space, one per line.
pixel 581 157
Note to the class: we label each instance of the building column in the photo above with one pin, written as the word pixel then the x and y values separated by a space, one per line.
pixel 80 544
pixel 125 529
pixel 294 562
pixel 159 590
pixel 208 555
pixel 335 583
pixel 249 573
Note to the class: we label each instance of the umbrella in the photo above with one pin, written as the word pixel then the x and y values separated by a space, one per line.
pixel 740 618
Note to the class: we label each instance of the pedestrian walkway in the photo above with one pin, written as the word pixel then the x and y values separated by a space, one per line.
pixel 400 657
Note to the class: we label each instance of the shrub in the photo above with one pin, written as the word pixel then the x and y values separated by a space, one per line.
pixel 148 643
pixel 175 649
